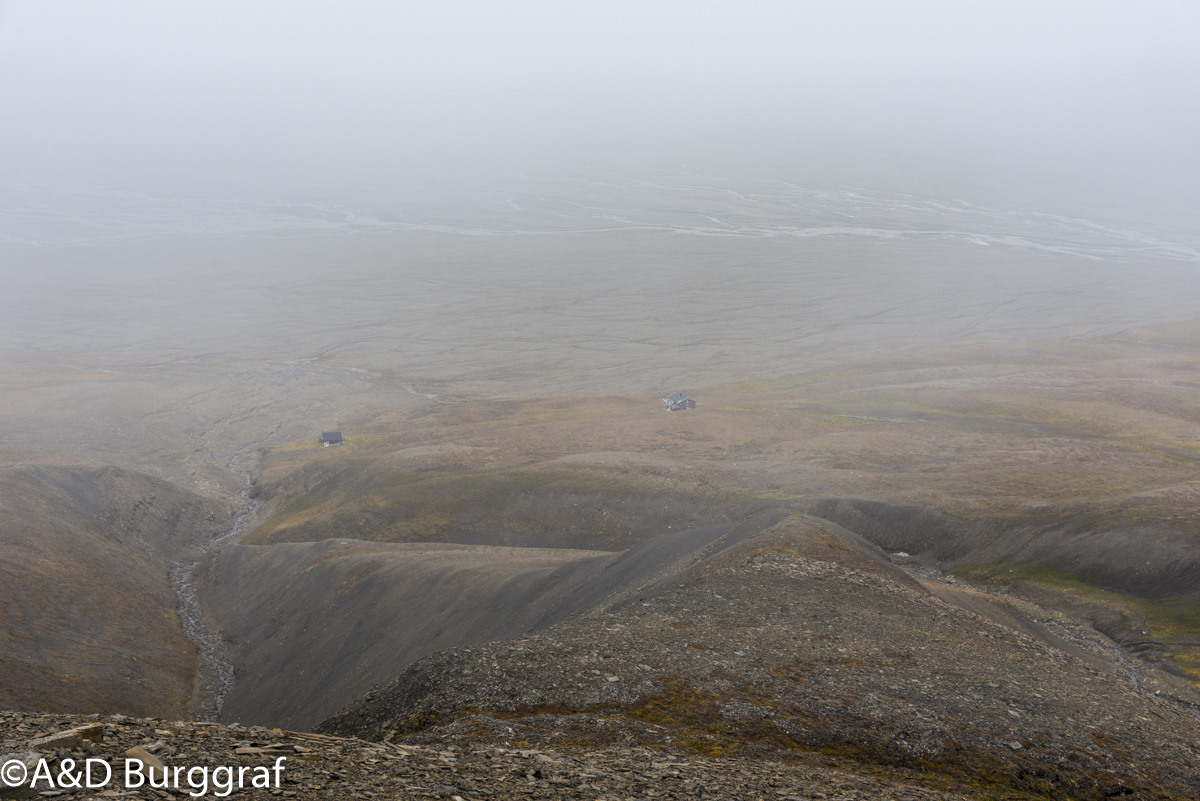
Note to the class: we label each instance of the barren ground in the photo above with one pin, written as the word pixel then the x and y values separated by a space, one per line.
pixel 1017 430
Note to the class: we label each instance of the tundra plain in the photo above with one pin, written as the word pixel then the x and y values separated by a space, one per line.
pixel 993 407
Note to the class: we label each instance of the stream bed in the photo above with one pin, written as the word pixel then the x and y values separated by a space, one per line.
pixel 215 674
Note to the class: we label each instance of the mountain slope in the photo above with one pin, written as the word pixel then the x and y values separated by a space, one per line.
pixel 312 626
pixel 90 620
pixel 802 637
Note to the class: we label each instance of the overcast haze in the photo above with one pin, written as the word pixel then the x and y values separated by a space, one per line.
pixel 928 172
pixel 289 89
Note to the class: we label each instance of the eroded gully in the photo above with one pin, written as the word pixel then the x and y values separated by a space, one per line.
pixel 215 674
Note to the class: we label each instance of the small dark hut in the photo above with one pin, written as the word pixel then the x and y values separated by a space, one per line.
pixel 677 402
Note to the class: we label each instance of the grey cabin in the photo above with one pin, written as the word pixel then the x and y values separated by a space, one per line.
pixel 332 438
pixel 677 402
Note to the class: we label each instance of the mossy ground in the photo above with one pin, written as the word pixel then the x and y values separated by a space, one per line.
pixel 1028 429
pixel 684 717
pixel 1096 435
pixel 1171 622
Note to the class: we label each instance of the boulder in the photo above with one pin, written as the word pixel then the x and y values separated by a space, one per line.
pixel 68 738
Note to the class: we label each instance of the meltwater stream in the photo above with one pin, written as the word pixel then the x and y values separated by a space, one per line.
pixel 215 675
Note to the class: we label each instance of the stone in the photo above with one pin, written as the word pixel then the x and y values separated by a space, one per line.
pixel 29 759
pixel 69 738
pixel 155 769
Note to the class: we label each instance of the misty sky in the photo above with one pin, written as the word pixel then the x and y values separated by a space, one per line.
pixel 609 192
pixel 323 93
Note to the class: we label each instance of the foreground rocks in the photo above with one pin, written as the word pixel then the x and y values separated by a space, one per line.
pixel 323 767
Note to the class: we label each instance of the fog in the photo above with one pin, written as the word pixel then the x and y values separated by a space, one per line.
pixel 397 185
pixel 326 91
pixel 930 270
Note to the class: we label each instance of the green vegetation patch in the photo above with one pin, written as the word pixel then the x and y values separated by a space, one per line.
pixel 1172 622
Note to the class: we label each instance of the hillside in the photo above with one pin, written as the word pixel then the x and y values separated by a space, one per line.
pixel 90 614
pixel 801 639
pixel 972 569
pixel 313 626
pixel 775 637
pixel 1067 471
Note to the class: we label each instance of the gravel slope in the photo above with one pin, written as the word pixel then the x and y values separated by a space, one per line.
pixel 312 626
pixel 88 611
pixel 803 638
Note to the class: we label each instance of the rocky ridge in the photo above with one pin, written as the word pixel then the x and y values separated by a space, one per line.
pixel 802 640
